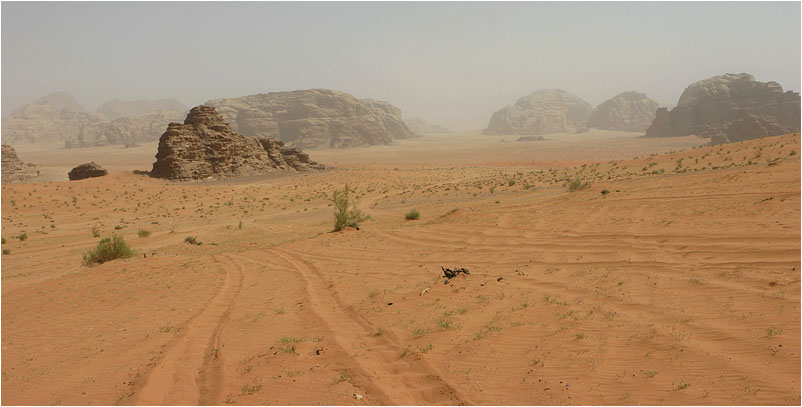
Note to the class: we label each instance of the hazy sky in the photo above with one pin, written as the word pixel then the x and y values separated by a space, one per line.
pixel 449 63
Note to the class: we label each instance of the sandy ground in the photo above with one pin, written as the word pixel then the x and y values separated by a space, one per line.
pixel 673 278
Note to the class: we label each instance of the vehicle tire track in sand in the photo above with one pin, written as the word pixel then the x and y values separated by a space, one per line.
pixel 189 373
pixel 402 381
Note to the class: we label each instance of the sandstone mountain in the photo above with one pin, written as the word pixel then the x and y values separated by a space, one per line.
pixel 708 106
pixel 59 118
pixel 749 125
pixel 628 111
pixel 14 170
pixel 116 108
pixel 420 126
pixel 128 130
pixel 205 146
pixel 542 112
pixel 315 118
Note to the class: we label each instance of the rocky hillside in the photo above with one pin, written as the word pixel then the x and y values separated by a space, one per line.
pixel 315 118
pixel 59 118
pixel 14 170
pixel 205 146
pixel 707 107
pixel 116 108
pixel 628 111
pixel 420 126
pixel 542 112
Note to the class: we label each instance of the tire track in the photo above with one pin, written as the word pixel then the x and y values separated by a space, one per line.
pixel 189 373
pixel 401 381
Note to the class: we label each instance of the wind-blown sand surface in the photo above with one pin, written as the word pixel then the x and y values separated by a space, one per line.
pixel 679 284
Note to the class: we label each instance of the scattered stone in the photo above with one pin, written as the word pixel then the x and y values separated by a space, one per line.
pixel 14 170
pixel 206 147
pixel 451 273
pixel 628 111
pixel 88 170
pixel 314 118
pixel 542 112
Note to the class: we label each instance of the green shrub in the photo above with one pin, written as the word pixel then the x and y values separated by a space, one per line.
pixel 4 240
pixel 6 251
pixel 412 215
pixel 95 231
pixel 192 240
pixel 22 237
pixel 577 184
pixel 346 214
pixel 108 249
pixel 605 191
pixel 143 233
pixel 511 182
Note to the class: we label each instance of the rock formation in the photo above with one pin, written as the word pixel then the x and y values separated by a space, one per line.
pixel 314 118
pixel 420 126
pixel 707 107
pixel 749 125
pixel 88 170
pixel 542 112
pixel 14 170
pixel 58 118
pixel 128 130
pixel 116 108
pixel 661 126
pixel 205 146
pixel 628 111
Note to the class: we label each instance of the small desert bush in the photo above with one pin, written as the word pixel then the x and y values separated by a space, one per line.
pixel 346 214
pixel 143 233
pixel 108 249
pixel 22 237
pixel 95 231
pixel 192 240
pixel 412 215
pixel 577 184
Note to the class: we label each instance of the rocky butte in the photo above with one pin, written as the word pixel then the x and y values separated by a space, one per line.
pixel 627 111
pixel 314 118
pixel 205 146
pixel 542 112
pixel 14 170
pixel 707 107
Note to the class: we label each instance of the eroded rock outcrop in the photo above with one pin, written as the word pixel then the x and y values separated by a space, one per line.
pixel 128 130
pixel 88 170
pixel 708 106
pixel 420 126
pixel 542 112
pixel 749 125
pixel 315 118
pixel 628 111
pixel 14 170
pixel 205 146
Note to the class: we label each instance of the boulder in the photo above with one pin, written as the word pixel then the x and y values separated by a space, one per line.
pixel 708 106
pixel 628 111
pixel 88 170
pixel 315 118
pixel 542 112
pixel 205 146
pixel 14 170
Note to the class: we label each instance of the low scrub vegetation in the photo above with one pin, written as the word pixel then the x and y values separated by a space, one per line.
pixel 192 240
pixel 412 215
pixel 108 249
pixel 577 185
pixel 346 214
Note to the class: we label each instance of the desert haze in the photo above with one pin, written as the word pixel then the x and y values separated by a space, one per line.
pixel 401 203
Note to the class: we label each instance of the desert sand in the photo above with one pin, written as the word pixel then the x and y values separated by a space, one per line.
pixel 673 278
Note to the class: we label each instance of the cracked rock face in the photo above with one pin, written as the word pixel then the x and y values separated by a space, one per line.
pixel 14 170
pixel 314 118
pixel 628 111
pixel 542 112
pixel 205 146
pixel 707 107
